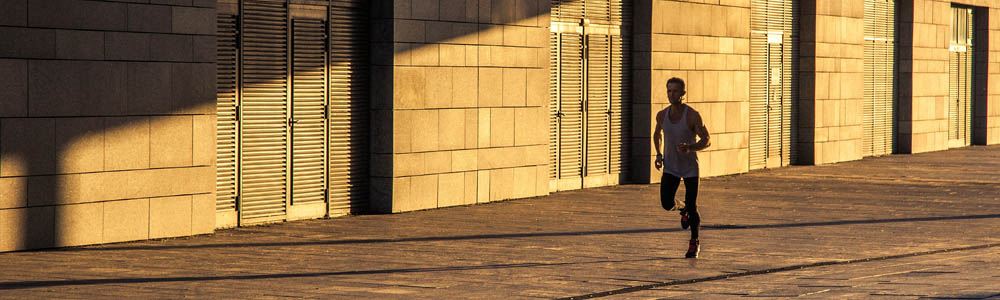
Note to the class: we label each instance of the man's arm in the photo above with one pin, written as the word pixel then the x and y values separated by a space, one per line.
pixel 699 129
pixel 658 139
pixel 658 132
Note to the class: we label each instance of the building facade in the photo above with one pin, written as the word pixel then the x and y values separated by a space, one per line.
pixel 130 120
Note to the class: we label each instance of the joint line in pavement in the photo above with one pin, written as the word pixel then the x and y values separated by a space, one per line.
pixel 772 270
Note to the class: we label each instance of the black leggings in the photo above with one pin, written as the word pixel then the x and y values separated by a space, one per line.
pixel 668 188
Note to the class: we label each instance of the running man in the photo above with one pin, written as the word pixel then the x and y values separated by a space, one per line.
pixel 678 159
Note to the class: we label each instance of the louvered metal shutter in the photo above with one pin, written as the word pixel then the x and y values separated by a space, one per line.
pixel 758 99
pixel 619 88
pixel 955 99
pixel 555 62
pixel 621 108
pixel 264 112
pixel 567 9
pixel 879 91
pixel 968 90
pixel 227 104
pixel 570 105
pixel 960 72
pixel 589 93
pixel 773 46
pixel 789 82
pixel 598 105
pixel 308 166
pixel 348 107
pixel 598 11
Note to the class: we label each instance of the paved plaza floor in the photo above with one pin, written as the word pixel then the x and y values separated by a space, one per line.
pixel 924 226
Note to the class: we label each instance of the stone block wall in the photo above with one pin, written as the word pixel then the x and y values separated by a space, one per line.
pixel 460 110
pixel 986 124
pixel 831 81
pixel 923 75
pixel 707 45
pixel 107 127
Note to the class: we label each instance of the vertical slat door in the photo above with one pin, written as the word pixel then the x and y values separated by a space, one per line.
pixel 598 106
pixel 309 149
pixel 775 107
pixel 566 97
pixel 555 87
pixel 348 162
pixel 264 157
pixel 758 99
pixel 879 87
pixel 960 78
pixel 621 110
pixel 570 114
pixel 789 82
pixel 772 85
pixel 589 106
pixel 227 104
pixel 968 70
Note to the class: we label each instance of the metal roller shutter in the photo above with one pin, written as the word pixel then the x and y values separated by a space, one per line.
pixel 264 112
pixel 308 159
pixel 598 105
pixel 227 106
pixel 348 107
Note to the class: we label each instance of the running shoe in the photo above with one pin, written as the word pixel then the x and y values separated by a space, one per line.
pixel 684 219
pixel 694 247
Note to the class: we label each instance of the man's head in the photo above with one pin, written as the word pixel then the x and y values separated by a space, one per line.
pixel 675 90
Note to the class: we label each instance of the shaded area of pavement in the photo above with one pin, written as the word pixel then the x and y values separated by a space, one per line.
pixel 765 234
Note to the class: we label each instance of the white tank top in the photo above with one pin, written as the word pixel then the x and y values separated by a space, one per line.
pixel 675 163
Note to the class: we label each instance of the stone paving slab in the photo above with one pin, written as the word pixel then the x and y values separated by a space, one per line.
pixel 950 275
pixel 583 242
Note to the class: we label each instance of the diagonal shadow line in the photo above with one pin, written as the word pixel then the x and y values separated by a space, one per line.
pixel 532 235
pixel 78 282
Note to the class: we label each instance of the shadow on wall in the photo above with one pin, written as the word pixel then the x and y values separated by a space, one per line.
pixel 429 57
pixel 91 134
pixel 84 149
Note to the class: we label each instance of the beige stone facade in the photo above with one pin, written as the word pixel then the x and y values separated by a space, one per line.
pixel 106 122
pixel 923 74
pixel 831 81
pixel 107 125
pixel 713 58
pixel 465 120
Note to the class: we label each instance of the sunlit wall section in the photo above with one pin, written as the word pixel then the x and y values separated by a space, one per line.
pixel 107 121
pixel 460 93
pixel 708 46
pixel 831 102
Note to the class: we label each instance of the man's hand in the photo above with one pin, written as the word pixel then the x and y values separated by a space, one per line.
pixel 659 161
pixel 683 148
